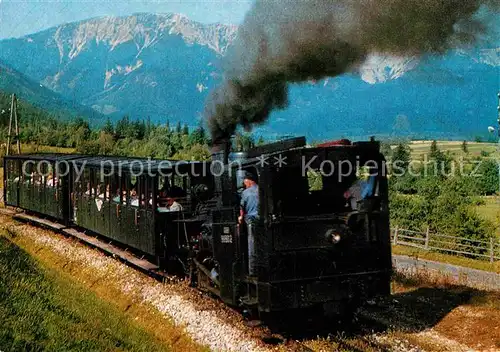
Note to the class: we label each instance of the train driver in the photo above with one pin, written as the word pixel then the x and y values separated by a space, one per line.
pixel 360 190
pixel 249 213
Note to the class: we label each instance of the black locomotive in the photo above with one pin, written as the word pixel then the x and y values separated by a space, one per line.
pixel 322 240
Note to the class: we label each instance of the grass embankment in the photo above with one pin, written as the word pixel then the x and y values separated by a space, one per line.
pixel 44 309
pixel 446 258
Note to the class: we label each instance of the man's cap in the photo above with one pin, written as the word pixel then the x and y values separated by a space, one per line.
pixel 250 176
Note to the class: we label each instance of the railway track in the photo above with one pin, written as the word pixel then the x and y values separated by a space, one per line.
pixel 414 312
pixel 96 242
pixel 272 334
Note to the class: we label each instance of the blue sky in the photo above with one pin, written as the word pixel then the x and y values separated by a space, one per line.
pixel 21 17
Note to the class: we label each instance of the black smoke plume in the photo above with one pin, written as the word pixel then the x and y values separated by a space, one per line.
pixel 286 41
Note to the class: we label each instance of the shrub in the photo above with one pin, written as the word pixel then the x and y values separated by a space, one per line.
pixel 487 182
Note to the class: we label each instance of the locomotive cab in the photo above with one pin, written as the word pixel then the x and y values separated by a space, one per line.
pixel 323 237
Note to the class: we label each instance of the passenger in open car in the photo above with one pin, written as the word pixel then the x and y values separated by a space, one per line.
pixel 168 203
pixel 134 199
pixel 173 205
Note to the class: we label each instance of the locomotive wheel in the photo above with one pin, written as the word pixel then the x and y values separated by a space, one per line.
pixel 342 312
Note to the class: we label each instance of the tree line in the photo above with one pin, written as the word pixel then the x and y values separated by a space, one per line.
pixel 125 137
pixel 439 195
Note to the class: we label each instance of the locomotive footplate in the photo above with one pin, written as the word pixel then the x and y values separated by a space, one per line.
pixel 291 294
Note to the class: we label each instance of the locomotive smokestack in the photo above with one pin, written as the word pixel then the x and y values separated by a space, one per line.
pixel 284 41
pixel 220 150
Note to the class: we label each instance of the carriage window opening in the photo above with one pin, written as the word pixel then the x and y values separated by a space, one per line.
pixel 144 194
pixel 32 176
pixel 126 189
pixel 134 192
pixel 315 192
pixel 35 179
pixel 13 170
pixel 179 187
pixel 38 175
pixel 107 188
pixel 22 171
pixel 49 180
pixel 9 168
pixel 93 183
pixel 60 169
pixel 122 190
pixel 152 191
pixel 86 183
pixel 315 181
pixel 42 171
pixel 154 187
pixel 178 181
pixel 30 173
pixel 40 178
pixel 46 173
pixel 115 189
pixel 78 182
pixel 161 182
pixel 101 186
pixel 164 186
pixel 140 192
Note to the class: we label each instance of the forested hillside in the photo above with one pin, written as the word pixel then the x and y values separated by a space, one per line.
pixel 169 139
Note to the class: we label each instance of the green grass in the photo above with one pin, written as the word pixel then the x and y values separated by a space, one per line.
pixel 420 148
pixel 446 258
pixel 35 148
pixel 491 211
pixel 41 310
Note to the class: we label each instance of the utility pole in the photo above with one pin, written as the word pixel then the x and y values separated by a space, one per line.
pixel 13 116
pixel 498 148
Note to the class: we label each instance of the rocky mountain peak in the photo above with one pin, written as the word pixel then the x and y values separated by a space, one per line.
pixel 379 68
pixel 142 29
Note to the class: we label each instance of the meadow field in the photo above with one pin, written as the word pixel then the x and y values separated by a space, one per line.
pixel 490 210
pixel 420 148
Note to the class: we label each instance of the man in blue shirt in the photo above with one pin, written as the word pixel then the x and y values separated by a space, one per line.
pixel 360 190
pixel 249 213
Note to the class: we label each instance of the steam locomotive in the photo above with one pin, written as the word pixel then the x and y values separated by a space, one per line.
pixel 315 249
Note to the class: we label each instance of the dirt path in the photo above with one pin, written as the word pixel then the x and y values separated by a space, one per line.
pixel 461 275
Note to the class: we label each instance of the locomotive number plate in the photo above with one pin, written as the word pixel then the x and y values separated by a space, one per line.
pixel 226 239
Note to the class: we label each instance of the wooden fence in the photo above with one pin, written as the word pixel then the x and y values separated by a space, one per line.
pixel 451 244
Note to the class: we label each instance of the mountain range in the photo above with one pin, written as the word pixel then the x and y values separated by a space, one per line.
pixel 12 81
pixel 163 66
